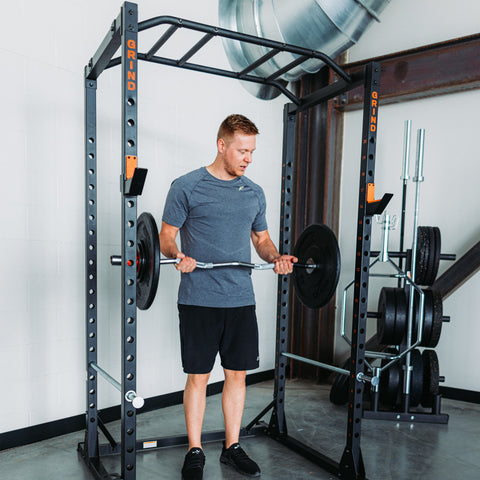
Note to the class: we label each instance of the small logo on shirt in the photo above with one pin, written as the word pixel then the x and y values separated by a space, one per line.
pixel 241 188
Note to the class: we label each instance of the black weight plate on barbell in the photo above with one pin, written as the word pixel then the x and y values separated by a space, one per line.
pixel 148 260
pixel 416 379
pixel 431 377
pixel 315 287
pixel 387 314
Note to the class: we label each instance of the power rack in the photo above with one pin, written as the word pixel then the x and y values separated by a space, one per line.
pixel 123 34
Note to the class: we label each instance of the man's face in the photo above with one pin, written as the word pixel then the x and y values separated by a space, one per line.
pixel 237 153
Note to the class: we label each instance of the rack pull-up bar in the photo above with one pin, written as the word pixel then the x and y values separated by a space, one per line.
pixel 243 37
pixel 103 57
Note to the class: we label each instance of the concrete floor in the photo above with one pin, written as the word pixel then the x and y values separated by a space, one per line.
pixel 390 450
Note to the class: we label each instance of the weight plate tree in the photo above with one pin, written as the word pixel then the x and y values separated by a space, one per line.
pixel 123 35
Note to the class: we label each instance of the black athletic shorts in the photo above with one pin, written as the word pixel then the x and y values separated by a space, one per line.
pixel 205 331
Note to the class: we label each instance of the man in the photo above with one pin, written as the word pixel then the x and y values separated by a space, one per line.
pixel 218 211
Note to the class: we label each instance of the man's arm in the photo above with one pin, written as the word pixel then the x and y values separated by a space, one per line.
pixel 267 251
pixel 168 246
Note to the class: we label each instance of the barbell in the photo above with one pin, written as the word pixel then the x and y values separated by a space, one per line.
pixel 315 276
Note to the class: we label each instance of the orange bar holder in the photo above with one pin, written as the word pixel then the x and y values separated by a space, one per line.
pixel 135 177
pixel 376 207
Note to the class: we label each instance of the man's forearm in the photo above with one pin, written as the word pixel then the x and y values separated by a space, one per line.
pixel 267 251
pixel 168 247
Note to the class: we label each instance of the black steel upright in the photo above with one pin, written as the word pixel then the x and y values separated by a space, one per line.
pixel 351 464
pixel 129 235
pixel 91 435
pixel 278 424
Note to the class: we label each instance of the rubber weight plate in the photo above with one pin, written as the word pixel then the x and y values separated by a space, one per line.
pixel 387 313
pixel 434 259
pixel 148 260
pixel 390 384
pixel 429 246
pixel 431 377
pixel 416 382
pixel 437 319
pixel 432 318
pixel 316 245
pixel 423 252
pixel 400 315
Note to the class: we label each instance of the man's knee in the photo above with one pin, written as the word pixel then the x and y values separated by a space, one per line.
pixel 235 376
pixel 198 381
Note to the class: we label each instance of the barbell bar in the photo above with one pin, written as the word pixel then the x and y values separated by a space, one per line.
pixel 315 277
pixel 117 261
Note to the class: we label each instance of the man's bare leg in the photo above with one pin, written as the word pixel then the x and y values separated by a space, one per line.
pixel 194 401
pixel 233 402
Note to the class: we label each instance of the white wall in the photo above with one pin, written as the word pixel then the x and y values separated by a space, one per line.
pixel 44 48
pixel 449 196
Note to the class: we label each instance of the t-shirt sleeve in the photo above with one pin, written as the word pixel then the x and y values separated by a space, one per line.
pixel 175 211
pixel 260 222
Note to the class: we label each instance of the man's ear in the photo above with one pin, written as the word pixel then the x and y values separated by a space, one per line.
pixel 221 145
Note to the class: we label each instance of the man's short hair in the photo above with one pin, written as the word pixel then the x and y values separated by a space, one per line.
pixel 236 123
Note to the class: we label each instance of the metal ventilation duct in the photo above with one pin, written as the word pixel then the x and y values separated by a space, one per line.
pixel 329 26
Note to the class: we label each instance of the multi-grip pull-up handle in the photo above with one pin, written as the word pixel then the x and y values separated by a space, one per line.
pixel 117 261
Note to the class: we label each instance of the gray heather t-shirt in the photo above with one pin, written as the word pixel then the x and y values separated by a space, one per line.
pixel 216 218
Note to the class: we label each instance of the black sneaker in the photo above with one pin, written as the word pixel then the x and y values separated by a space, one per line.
pixel 193 464
pixel 239 460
